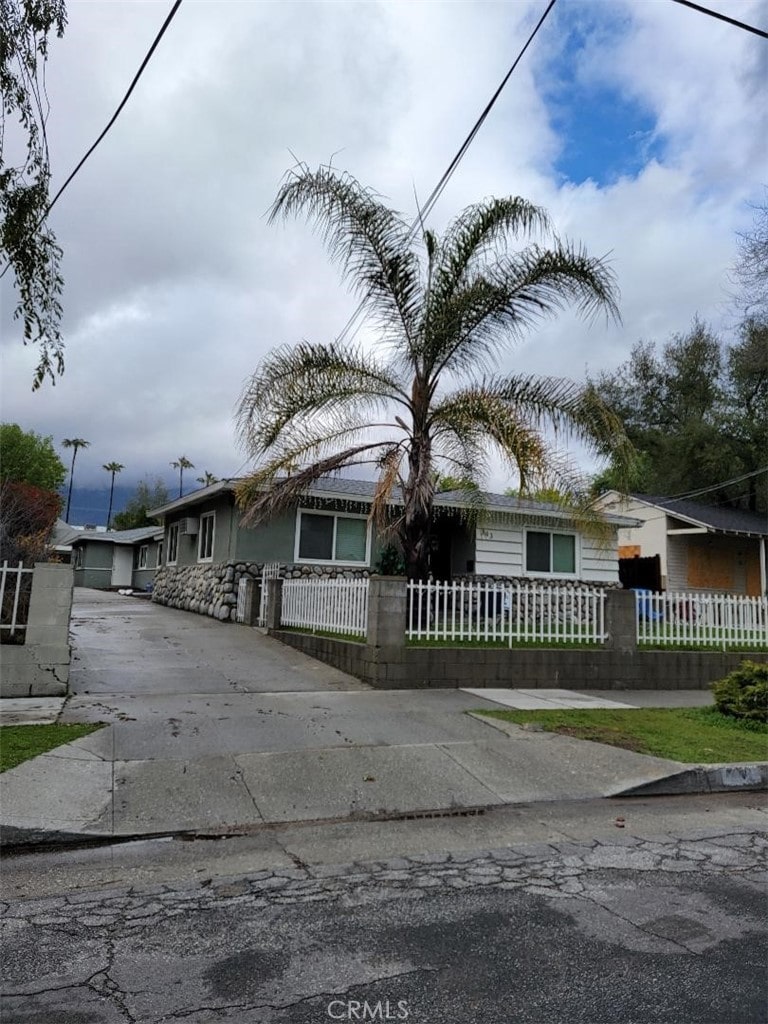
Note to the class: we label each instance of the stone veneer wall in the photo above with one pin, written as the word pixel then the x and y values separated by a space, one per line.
pixel 211 589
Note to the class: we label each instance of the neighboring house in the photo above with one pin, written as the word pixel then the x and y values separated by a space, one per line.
pixel 61 539
pixel 114 559
pixel 700 547
pixel 328 533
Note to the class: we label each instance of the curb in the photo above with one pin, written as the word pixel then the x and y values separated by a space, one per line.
pixel 704 778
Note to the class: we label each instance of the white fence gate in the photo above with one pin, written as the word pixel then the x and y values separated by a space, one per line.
pixel 487 612
pixel 329 606
pixel 708 620
pixel 15 586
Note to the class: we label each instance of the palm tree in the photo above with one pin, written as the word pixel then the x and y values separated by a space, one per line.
pixel 431 395
pixel 74 443
pixel 207 479
pixel 113 468
pixel 181 464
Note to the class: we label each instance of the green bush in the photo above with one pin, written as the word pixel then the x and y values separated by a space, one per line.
pixel 744 693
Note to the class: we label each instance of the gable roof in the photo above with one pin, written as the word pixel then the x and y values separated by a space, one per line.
pixel 714 517
pixel 364 490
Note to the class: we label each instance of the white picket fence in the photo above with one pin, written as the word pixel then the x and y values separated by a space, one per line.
pixel 328 606
pixel 708 620
pixel 15 582
pixel 486 611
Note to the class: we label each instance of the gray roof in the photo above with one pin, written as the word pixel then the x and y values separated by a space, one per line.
pixel 118 536
pixel 364 490
pixel 714 517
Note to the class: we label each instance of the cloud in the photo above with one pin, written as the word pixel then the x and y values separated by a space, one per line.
pixel 176 285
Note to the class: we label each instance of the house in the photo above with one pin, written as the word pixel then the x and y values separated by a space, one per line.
pixel 111 559
pixel 328 533
pixel 699 547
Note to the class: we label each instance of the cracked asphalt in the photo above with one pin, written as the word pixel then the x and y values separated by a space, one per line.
pixel 629 928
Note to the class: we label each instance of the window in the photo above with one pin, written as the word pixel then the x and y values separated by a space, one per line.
pixel 205 543
pixel 173 543
pixel 159 561
pixel 143 550
pixel 78 558
pixel 550 552
pixel 327 537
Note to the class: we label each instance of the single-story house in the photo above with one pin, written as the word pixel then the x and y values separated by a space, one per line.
pixel 114 559
pixel 699 547
pixel 329 533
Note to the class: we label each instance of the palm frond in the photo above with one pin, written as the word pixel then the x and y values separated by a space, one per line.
pixel 477 231
pixel 369 241
pixel 311 380
pixel 264 493
pixel 499 305
pixel 476 414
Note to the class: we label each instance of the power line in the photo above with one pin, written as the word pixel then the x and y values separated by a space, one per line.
pixel 723 17
pixel 114 117
pixel 716 487
pixel 440 187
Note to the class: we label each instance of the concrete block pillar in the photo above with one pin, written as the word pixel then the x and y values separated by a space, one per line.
pixel 387 597
pixel 50 605
pixel 250 592
pixel 274 603
pixel 621 620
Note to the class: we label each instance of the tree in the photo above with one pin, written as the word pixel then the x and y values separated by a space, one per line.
pixel 207 479
pixel 444 316
pixel 27 517
pixel 75 443
pixel 181 464
pixel 27 244
pixel 113 468
pixel 148 495
pixel 27 457
pixel 751 270
pixel 696 412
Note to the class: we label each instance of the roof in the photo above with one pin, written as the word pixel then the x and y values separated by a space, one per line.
pixel 714 517
pixel 118 536
pixel 364 490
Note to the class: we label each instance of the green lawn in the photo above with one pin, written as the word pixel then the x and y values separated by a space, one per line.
pixel 681 734
pixel 21 742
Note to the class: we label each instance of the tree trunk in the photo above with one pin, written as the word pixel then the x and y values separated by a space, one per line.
pixel 418 494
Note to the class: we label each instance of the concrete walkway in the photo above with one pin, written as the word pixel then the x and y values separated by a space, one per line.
pixel 215 727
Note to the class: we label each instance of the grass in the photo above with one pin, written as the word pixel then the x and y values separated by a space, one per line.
pixel 19 743
pixel 697 735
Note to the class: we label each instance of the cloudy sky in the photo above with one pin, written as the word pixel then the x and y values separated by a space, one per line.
pixel 639 124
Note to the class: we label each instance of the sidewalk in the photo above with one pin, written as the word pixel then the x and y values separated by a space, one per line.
pixel 215 728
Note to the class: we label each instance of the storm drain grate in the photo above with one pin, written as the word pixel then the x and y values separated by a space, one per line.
pixel 457 812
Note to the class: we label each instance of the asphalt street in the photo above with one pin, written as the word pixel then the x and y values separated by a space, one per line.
pixel 627 929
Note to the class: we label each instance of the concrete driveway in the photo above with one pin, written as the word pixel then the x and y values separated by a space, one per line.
pixel 217 727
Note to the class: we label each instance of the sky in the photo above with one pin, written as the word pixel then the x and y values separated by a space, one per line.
pixel 639 126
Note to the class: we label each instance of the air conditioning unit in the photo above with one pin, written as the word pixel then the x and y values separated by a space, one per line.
pixel 189 527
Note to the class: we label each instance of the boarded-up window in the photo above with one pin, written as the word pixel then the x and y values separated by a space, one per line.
pixel 710 568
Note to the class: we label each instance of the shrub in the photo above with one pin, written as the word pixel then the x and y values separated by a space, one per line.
pixel 744 693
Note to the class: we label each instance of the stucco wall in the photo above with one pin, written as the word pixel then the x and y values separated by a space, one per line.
pixel 96 568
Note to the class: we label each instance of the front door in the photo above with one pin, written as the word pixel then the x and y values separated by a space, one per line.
pixel 122 566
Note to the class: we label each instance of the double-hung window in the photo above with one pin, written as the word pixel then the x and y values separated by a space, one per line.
pixel 173 543
pixel 326 537
pixel 143 556
pixel 547 552
pixel 205 541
